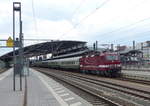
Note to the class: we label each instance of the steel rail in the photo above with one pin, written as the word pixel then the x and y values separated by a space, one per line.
pixel 146 82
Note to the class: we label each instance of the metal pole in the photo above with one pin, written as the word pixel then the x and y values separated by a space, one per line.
pixel 142 49
pixel 133 45
pixel 28 66
pixel 94 46
pixel 14 57
pixel 96 43
pixel 20 49
pixel 17 66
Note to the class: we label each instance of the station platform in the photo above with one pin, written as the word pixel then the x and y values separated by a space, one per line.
pixel 143 75
pixel 7 96
pixel 41 91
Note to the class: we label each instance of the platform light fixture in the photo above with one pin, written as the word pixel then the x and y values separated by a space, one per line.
pixel 17 6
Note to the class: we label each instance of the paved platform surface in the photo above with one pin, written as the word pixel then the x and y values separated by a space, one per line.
pixel 55 94
pixel 41 91
pixel 7 96
pixel 145 75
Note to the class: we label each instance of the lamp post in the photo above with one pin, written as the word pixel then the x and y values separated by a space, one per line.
pixel 18 66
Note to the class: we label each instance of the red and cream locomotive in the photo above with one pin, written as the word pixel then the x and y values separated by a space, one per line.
pixel 107 64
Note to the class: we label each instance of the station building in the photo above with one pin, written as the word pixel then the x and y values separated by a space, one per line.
pixel 145 48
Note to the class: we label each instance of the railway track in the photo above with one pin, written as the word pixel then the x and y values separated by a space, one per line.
pixel 3 70
pixel 115 86
pixel 126 89
pixel 100 100
pixel 146 82
pixel 92 85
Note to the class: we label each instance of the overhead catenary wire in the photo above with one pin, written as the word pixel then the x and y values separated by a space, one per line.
pixel 139 33
pixel 122 29
pixel 74 12
pixel 97 8
pixel 91 13
pixel 34 17
pixel 48 40
pixel 78 7
pixel 129 41
pixel 127 26
pixel 137 37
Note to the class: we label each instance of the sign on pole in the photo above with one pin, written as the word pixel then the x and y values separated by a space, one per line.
pixel 10 42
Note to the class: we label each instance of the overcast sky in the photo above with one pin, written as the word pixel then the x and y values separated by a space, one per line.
pixel 107 21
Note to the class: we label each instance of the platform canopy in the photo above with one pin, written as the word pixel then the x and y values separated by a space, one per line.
pixel 130 52
pixel 53 47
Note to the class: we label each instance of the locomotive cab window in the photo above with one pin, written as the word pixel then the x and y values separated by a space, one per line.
pixel 112 57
